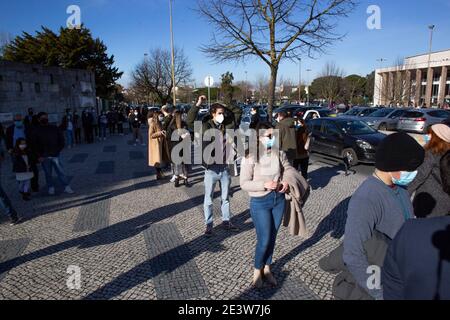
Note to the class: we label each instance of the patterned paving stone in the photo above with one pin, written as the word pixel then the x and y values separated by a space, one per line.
pixel 175 274
pixel 152 237
pixel 110 149
pixel 105 167
pixel 93 217
pixel 79 158
pixel 136 155
pixel 10 249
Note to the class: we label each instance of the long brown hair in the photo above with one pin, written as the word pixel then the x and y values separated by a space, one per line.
pixel 177 120
pixel 437 146
pixel 155 120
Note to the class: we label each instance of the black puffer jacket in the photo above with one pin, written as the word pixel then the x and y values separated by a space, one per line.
pixel 48 141
pixel 429 200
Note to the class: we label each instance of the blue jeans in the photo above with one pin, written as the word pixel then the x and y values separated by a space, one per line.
pixel 211 178
pixel 267 214
pixel 69 138
pixel 102 131
pixel 48 165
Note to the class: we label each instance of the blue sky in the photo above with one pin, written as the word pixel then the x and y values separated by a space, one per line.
pixel 132 27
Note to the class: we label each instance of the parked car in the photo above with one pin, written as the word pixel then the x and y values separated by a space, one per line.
pixel 385 119
pixel 357 112
pixel 421 120
pixel 347 139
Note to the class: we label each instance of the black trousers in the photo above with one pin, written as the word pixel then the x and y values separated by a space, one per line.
pixel 303 164
pixel 96 130
pixel 120 128
pixel 112 128
pixel 78 135
pixel 35 179
pixel 89 134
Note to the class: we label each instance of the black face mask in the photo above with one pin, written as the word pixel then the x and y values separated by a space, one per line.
pixel 44 122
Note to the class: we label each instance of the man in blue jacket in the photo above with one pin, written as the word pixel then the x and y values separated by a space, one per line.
pixel 417 264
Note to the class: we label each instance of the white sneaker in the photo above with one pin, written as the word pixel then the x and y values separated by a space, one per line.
pixel 51 191
pixel 174 178
pixel 69 190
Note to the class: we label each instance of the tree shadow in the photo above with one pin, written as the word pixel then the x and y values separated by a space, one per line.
pixel 153 268
pixel 93 199
pixel 321 177
pixel 109 235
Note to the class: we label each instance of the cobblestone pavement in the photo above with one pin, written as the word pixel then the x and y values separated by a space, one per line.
pixel 135 238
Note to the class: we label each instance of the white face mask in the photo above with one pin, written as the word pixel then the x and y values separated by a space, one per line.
pixel 22 146
pixel 220 118
pixel 161 119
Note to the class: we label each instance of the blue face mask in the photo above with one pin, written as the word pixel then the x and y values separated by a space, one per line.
pixel 269 143
pixel 18 124
pixel 427 138
pixel 405 178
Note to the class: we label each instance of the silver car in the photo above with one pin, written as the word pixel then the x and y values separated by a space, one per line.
pixel 385 119
pixel 421 120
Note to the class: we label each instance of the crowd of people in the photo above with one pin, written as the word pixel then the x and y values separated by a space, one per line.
pixel 397 220
pixel 34 142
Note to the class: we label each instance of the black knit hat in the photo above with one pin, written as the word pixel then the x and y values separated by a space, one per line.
pixel 399 152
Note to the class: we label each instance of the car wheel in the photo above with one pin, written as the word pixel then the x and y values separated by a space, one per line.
pixel 383 127
pixel 351 157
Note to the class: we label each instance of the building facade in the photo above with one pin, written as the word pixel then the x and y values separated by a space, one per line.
pixel 48 89
pixel 422 80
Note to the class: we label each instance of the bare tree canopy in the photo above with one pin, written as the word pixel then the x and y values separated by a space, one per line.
pixel 330 83
pixel 153 76
pixel 271 29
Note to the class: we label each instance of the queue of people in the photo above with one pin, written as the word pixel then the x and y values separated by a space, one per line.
pixel 397 220
pixel 32 143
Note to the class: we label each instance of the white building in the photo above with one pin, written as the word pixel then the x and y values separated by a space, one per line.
pixel 412 84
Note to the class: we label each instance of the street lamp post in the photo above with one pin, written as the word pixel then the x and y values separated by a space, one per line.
pixel 381 60
pixel 173 55
pixel 431 27
pixel 246 87
pixel 300 81
pixel 308 71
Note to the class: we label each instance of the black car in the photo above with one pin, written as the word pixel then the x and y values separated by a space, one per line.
pixel 347 139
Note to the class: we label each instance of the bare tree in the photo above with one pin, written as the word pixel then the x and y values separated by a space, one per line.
pixel 153 76
pixel 262 89
pixel 271 30
pixel 329 85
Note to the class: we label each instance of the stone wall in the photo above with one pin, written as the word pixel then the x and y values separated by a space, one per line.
pixel 49 89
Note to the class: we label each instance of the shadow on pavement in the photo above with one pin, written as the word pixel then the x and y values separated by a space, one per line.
pixel 143 272
pixel 112 234
pixel 334 223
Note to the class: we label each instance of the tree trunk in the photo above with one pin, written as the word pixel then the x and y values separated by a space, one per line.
pixel 272 86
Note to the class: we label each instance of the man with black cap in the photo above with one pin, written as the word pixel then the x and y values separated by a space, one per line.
pixel 381 205
pixel 419 249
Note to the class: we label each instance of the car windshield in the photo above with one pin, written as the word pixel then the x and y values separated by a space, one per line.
pixel 367 112
pixel 381 113
pixel 352 112
pixel 353 127
pixel 324 113
pixel 413 115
